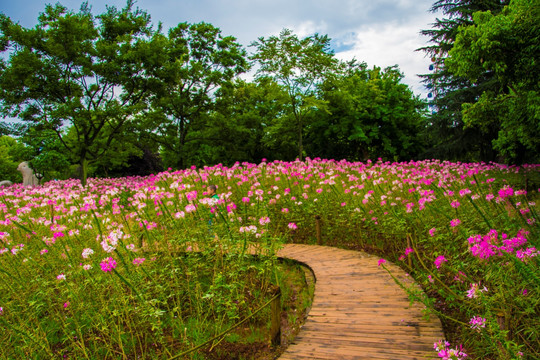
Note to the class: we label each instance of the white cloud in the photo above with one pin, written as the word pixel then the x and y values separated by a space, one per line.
pixel 387 45
pixel 379 32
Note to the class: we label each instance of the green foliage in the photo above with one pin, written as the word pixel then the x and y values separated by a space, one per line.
pixel 447 135
pixel 506 45
pixel 78 71
pixel 298 65
pixel 370 114
pixel 9 149
pixel 195 62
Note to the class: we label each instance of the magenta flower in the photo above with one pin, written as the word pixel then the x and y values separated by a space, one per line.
pixel 66 304
pixel 292 226
pixel 505 192
pixel 455 204
pixel 477 323
pixel 443 351
pixel 432 232
pixel 1 311
pixel 439 261
pixel 108 264
pixel 61 277
pixel 455 222
pixel 380 262
pixel 44 251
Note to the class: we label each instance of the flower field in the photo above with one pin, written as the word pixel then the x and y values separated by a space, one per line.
pixel 110 271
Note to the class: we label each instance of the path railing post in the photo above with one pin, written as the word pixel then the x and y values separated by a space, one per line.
pixel 318 228
pixel 275 328
pixel 409 260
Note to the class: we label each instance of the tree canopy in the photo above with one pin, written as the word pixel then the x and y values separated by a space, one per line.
pixel 505 45
pixel 78 74
pixel 110 95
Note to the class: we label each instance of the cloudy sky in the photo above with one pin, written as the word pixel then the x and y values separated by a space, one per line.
pixel 378 32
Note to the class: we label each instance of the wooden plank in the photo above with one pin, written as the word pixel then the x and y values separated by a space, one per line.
pixel 359 312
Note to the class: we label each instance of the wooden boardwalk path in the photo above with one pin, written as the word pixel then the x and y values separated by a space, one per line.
pixel 358 310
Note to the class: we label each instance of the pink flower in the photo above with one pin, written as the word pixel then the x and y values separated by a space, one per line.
pixel 66 304
pixel 455 204
pixel 108 264
pixel 44 251
pixel 474 289
pixel 138 261
pixel 505 192
pixel 439 261
pixel 245 199
pixel 292 226
pixel 444 351
pixel 61 277
pixel 455 222
pixel 380 262
pixel 432 232
pixel 87 252
pixel 1 311
pixel 477 323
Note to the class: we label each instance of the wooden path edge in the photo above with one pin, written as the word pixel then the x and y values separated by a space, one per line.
pixel 358 310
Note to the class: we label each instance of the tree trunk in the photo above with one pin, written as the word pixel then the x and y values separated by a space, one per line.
pixel 300 140
pixel 84 171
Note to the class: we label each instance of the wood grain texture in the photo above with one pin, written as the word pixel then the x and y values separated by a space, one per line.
pixel 358 310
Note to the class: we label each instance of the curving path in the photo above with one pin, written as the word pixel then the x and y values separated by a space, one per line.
pixel 358 310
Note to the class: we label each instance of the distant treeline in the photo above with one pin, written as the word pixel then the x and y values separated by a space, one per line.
pixel 110 95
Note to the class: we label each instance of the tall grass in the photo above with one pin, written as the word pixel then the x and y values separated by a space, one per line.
pixel 468 233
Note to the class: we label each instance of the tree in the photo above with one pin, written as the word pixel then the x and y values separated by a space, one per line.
pixel 198 60
pixel 9 160
pixel 298 65
pixel 505 45
pixel 370 114
pixel 44 153
pixel 78 74
pixel 446 132
pixel 238 128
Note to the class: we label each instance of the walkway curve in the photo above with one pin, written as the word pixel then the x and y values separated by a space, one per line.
pixel 358 310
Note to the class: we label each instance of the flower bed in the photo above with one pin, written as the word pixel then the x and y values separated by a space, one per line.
pixel 108 270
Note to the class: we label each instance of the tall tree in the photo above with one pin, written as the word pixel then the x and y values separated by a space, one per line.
pixel 370 114
pixel 505 45
pixel 198 60
pixel 448 136
pixel 79 72
pixel 239 127
pixel 298 65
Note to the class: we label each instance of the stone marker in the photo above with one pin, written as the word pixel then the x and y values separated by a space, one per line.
pixel 29 179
